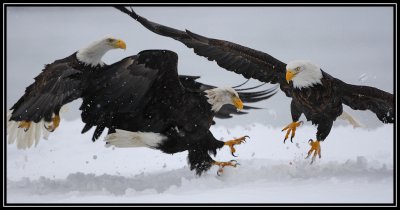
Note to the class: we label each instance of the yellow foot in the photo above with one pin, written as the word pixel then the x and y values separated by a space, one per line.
pixel 25 125
pixel 291 128
pixel 314 147
pixel 55 122
pixel 221 165
pixel 234 142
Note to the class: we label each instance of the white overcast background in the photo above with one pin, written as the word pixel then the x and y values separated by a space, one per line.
pixel 354 44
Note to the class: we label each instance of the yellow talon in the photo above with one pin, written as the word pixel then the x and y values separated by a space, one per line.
pixel 221 165
pixel 316 148
pixel 24 124
pixel 234 142
pixel 291 128
pixel 55 122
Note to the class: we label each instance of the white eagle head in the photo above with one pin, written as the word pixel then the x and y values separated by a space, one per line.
pixel 92 54
pixel 218 97
pixel 303 73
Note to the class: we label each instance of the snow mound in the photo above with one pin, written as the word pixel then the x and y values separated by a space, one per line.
pixel 249 171
pixel 356 167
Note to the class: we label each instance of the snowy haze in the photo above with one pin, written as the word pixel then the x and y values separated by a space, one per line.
pixel 356 167
pixel 354 44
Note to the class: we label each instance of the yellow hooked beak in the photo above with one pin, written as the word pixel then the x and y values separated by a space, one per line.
pixel 120 44
pixel 289 75
pixel 237 102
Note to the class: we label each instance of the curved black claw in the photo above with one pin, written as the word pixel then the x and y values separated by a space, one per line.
pixel 236 142
pixel 246 136
pixel 48 128
pixel 234 162
pixel 291 139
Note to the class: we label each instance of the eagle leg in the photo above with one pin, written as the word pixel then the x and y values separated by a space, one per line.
pixel 291 128
pixel 55 122
pixel 221 165
pixel 234 142
pixel 316 148
pixel 25 125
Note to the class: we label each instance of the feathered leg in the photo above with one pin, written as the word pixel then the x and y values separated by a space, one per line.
pixel 291 128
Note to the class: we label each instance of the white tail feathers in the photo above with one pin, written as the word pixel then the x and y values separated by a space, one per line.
pixel 124 139
pixel 352 120
pixel 25 139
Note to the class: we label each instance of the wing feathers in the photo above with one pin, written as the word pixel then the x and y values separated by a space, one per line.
pixel 243 60
pixel 369 98
pixel 127 87
pixel 57 85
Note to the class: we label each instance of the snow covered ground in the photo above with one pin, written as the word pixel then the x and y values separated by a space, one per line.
pixel 356 167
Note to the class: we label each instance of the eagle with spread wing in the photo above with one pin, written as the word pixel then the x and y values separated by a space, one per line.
pixel 315 93
pixel 37 112
pixel 141 100
pixel 145 103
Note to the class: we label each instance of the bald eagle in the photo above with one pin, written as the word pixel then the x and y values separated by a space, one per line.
pixel 145 103
pixel 141 100
pixel 315 93
pixel 37 112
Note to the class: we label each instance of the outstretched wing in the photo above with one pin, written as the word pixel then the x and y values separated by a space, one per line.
pixel 367 98
pixel 58 84
pixel 227 110
pixel 126 88
pixel 233 57
pixel 261 66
